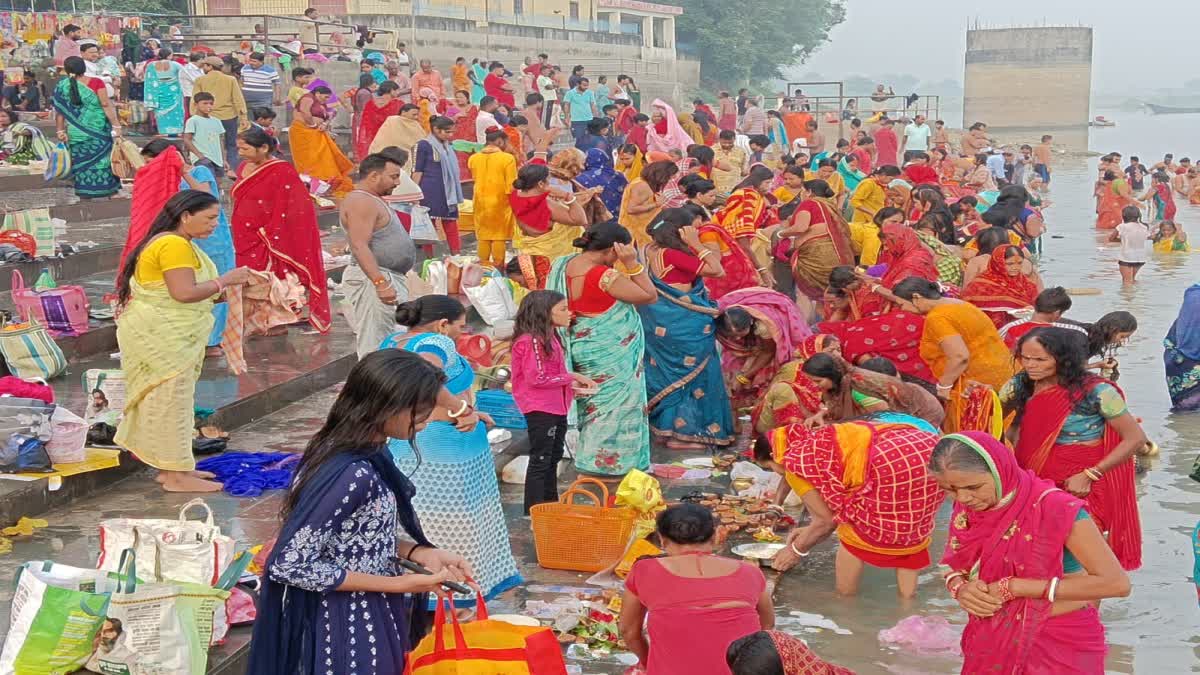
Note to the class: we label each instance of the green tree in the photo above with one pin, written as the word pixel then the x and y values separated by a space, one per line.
pixel 743 42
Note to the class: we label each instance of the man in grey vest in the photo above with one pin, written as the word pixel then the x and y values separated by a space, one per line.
pixel 374 283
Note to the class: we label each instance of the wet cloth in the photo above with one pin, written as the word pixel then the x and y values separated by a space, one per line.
pixel 456 490
pixel 396 131
pixel 249 474
pixel 255 309
pixel 317 155
pixel 1022 636
pixel 162 350
pixel 275 228
pixel 614 435
pixel 687 400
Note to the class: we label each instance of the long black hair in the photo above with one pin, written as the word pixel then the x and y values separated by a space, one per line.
pixel 74 66
pixel 168 220
pixel 734 318
pixel 1101 333
pixel 754 654
pixel 533 318
pixel 1068 349
pixel 257 138
pixel 757 176
pixel 382 385
pixel 824 365
pixel 665 228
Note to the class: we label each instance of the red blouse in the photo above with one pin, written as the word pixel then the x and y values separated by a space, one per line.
pixel 679 267
pixel 593 299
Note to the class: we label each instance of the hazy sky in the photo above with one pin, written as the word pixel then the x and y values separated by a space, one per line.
pixel 1135 44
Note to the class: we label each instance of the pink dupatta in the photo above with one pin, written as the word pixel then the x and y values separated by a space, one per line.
pixel 1023 537
pixel 675 137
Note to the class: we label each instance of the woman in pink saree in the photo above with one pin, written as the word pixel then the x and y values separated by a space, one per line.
pixel 1026 563
pixel 759 330
pixel 665 133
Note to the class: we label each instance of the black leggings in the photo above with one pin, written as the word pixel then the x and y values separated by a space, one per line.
pixel 546 438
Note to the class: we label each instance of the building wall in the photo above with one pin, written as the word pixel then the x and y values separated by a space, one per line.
pixel 658 73
pixel 1028 78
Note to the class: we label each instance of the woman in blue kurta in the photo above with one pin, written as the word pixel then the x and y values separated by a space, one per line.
pixel 334 599
pixel 1181 354
pixel 687 401
pixel 457 493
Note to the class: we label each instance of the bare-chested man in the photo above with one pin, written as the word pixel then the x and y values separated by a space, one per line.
pixel 1041 158
pixel 374 282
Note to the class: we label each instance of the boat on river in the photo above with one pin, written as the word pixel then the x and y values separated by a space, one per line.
pixel 1102 121
pixel 1156 109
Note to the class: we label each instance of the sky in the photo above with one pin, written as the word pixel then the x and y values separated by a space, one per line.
pixel 928 38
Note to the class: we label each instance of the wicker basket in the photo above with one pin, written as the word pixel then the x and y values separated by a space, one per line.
pixel 580 537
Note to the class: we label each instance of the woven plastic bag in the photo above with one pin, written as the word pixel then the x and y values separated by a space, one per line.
pixel 485 647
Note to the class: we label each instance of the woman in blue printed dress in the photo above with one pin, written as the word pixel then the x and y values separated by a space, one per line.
pixel 334 600
pixel 457 493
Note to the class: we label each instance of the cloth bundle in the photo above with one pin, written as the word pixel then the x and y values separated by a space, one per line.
pixel 248 474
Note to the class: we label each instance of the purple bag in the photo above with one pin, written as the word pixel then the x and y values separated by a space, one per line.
pixel 66 309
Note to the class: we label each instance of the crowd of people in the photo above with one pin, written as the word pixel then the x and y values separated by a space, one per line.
pixel 867 309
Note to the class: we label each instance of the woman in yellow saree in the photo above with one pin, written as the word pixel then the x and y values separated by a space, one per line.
pixel 630 162
pixel 167 288
pixel 314 152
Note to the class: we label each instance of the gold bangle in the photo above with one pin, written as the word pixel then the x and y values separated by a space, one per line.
pixel 636 271
pixel 1093 474
pixel 704 253
pixel 742 379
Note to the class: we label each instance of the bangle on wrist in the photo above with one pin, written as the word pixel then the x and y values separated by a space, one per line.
pixel 413 550
pixel 802 554
pixel 381 281
pixel 1004 586
pixel 636 271
pixel 742 379
pixel 956 588
pixel 1053 589
pixel 1093 473
pixel 944 387
pixel 460 412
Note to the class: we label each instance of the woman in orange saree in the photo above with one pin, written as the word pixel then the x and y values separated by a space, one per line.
pixel 275 223
pixel 866 481
pixel 965 354
pixel 739 268
pixel 314 151
pixel 1115 195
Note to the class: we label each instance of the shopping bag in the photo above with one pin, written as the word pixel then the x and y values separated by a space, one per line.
pixel 106 395
pixel 66 309
pixel 422 225
pixel 58 163
pixel 492 300
pixel 36 223
pixel 194 551
pixel 29 304
pixel 30 352
pixel 434 272
pixel 68 437
pixel 56 612
pixel 485 647
pixel 156 628
pixel 126 159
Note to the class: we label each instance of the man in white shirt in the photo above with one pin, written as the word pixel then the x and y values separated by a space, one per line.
pixel 547 86
pixel 916 136
pixel 995 165
pixel 402 57
pixel 99 66
pixel 187 79
pixel 486 120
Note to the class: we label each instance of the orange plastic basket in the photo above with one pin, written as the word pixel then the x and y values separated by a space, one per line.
pixel 580 537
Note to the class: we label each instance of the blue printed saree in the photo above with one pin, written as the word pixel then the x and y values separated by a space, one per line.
pixel 89 139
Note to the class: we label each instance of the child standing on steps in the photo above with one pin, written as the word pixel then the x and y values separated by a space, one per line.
pixel 543 388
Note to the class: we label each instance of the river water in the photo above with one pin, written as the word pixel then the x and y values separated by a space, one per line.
pixel 1155 629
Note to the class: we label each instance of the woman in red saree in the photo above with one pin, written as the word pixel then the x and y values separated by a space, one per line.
pixel 818 239
pixel 905 255
pixel 374 113
pixel 1002 287
pixel 1115 195
pixel 1082 437
pixel 275 224
pixel 465 138
pixel 895 336
pixel 155 183
pixel 792 397
pixel 1028 612
pixel 746 212
pixel 866 481
pixel 739 268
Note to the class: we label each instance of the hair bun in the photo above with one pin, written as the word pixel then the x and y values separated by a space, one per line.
pixel 582 241
pixel 408 313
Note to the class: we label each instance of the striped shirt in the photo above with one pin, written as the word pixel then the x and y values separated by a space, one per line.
pixel 259 80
